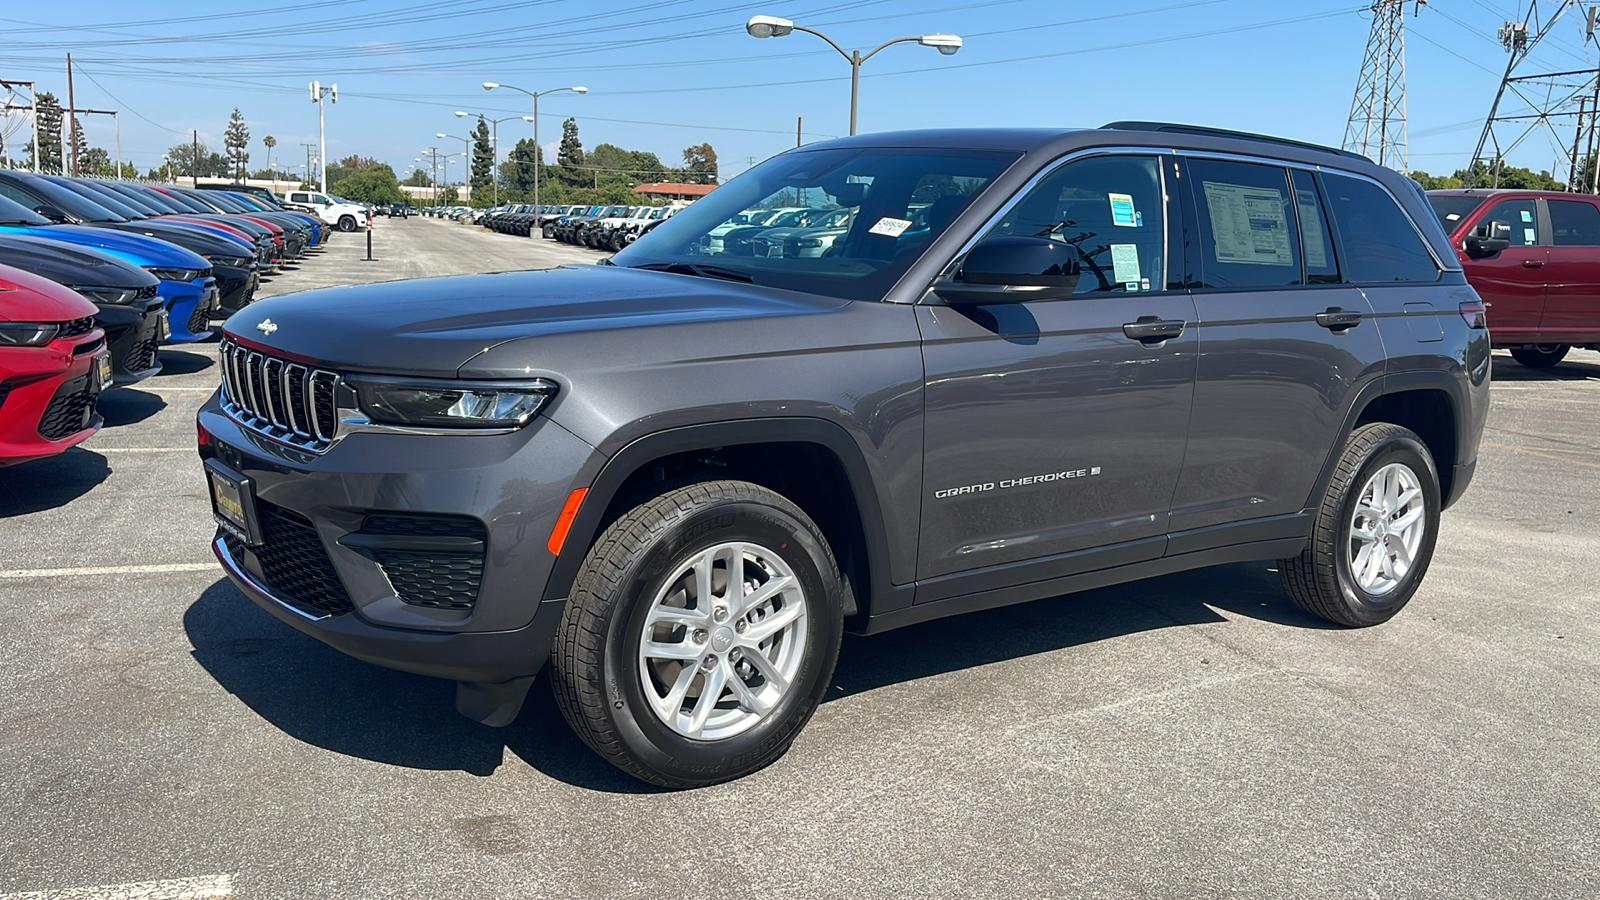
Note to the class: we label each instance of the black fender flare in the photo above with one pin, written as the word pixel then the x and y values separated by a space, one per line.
pixel 801 430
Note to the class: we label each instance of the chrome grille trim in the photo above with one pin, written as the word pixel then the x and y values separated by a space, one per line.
pixel 279 398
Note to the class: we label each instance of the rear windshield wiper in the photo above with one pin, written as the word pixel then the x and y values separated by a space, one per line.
pixel 699 270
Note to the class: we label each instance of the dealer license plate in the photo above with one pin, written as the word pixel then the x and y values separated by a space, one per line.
pixel 232 502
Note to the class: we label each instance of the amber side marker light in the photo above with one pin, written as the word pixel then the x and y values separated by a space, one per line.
pixel 569 511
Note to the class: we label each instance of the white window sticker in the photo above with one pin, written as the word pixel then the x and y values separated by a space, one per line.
pixel 1248 224
pixel 1122 212
pixel 1528 237
pixel 890 227
pixel 1527 216
pixel 1453 216
pixel 1125 264
pixel 1311 226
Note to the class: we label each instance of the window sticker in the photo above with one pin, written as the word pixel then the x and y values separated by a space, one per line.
pixel 1527 216
pixel 1311 229
pixel 1528 236
pixel 890 227
pixel 1125 264
pixel 1248 224
pixel 1453 216
pixel 1122 212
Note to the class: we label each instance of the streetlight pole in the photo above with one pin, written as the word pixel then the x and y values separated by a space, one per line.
pixel 317 93
pixel 538 152
pixel 772 26
pixel 495 140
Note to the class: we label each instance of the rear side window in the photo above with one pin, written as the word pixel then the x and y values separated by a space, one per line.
pixel 1249 237
pixel 1521 215
pixel 1380 243
pixel 1316 242
pixel 1574 223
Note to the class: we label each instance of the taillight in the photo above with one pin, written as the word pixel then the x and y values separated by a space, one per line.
pixel 202 436
pixel 1476 314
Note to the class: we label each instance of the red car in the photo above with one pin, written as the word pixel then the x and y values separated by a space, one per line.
pixel 1534 257
pixel 53 365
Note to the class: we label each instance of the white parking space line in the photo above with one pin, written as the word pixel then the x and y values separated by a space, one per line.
pixel 214 887
pixel 141 449
pixel 108 570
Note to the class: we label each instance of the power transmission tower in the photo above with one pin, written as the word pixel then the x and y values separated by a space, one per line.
pixel 1550 101
pixel 1377 127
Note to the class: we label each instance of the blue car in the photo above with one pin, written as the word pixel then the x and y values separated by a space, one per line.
pixel 186 283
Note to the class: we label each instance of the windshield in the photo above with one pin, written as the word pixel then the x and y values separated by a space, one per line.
pixel 109 199
pixel 81 208
pixel 14 213
pixel 897 202
pixel 1452 208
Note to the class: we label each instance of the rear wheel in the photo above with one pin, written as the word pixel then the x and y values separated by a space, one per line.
pixel 700 634
pixel 1540 356
pixel 1374 532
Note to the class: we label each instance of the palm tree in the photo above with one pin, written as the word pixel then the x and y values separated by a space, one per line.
pixel 271 142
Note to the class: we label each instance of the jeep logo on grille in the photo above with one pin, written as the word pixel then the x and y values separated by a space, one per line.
pixel 266 326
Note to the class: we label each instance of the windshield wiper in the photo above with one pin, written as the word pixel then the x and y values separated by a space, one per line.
pixel 699 270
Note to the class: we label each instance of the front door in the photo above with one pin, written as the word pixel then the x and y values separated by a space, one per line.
pixel 1049 429
pixel 1512 282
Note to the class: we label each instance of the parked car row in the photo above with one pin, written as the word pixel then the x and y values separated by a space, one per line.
pixel 107 271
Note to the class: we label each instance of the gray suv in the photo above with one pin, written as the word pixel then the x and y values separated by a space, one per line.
pixel 1034 362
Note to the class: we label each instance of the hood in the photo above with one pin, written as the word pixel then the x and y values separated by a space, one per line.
pixel 28 298
pixel 68 264
pixel 128 247
pixel 434 326
pixel 199 238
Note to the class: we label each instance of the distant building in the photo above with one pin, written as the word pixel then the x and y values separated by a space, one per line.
pixel 671 190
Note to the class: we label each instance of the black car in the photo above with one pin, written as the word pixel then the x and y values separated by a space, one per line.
pixel 1034 362
pixel 133 316
pixel 397 210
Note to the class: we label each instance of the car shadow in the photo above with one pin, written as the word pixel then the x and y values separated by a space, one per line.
pixel 182 362
pixel 325 698
pixel 50 483
pixel 1578 366
pixel 127 405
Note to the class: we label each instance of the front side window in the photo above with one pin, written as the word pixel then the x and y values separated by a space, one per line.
pixel 1380 244
pixel 843 222
pixel 1521 215
pixel 1574 223
pixel 1249 235
pixel 1111 209
pixel 1453 208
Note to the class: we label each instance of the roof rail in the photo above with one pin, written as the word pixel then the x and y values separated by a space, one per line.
pixel 1225 133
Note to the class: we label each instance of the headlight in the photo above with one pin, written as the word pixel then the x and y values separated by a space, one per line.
pixel 810 242
pixel 452 404
pixel 237 262
pixel 109 294
pixel 166 274
pixel 27 334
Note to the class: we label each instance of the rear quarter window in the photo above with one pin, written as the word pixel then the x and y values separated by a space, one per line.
pixel 1381 246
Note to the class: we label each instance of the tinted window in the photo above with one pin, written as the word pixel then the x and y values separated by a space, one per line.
pixel 14 213
pixel 1110 209
pixel 1452 208
pixel 1380 243
pixel 1574 223
pixel 1521 215
pixel 1248 233
pixel 1316 241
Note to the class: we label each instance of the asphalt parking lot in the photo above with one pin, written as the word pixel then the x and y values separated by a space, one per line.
pixel 1189 736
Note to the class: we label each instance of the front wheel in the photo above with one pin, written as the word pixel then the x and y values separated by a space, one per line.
pixel 1374 532
pixel 700 634
pixel 1540 356
pixel 347 223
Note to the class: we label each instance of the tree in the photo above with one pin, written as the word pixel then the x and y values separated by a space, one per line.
pixel 269 141
pixel 47 133
pixel 1435 182
pixel 569 156
pixel 516 173
pixel 182 157
pixel 482 177
pixel 700 164
pixel 369 184
pixel 448 195
pixel 418 178
pixel 80 146
pixel 235 139
pixel 95 161
pixel 354 161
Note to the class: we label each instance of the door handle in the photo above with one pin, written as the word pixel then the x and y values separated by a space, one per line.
pixel 1151 330
pixel 1338 320
pixel 1533 264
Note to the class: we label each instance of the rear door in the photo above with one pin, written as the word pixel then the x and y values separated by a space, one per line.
pixel 1512 282
pixel 1285 342
pixel 1572 275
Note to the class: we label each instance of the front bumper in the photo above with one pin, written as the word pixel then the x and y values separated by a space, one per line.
pixel 504 485
pixel 235 289
pixel 133 332
pixel 189 308
pixel 48 396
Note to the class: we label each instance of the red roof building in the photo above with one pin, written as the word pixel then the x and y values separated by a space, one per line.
pixel 670 190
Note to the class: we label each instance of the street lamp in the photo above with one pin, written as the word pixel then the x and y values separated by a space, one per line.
pixel 772 26
pixel 539 153
pixel 494 140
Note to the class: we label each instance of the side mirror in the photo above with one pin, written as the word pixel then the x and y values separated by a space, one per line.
pixel 51 213
pixel 1487 240
pixel 1014 269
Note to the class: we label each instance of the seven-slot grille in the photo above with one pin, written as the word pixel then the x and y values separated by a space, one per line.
pixel 286 401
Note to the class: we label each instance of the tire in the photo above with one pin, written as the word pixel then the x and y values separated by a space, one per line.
pixel 1323 580
pixel 619 698
pixel 1540 356
pixel 347 223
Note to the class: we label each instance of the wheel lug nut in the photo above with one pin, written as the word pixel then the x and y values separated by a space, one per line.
pixel 736 655
pixel 720 614
pixel 741 626
pixel 709 663
pixel 699 636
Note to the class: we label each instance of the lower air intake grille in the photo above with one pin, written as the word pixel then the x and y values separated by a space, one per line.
pixel 294 565
pixel 438 578
pixel 70 411
pixel 200 319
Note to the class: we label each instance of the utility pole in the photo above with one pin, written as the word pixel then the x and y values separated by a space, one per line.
pixel 1542 102
pixel 72 121
pixel 194 160
pixel 1377 125
pixel 10 88
pixel 797 121
pixel 318 92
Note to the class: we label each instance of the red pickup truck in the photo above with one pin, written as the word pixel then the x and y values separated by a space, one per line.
pixel 1534 257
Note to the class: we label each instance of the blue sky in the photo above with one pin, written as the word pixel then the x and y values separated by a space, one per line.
pixel 664 74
